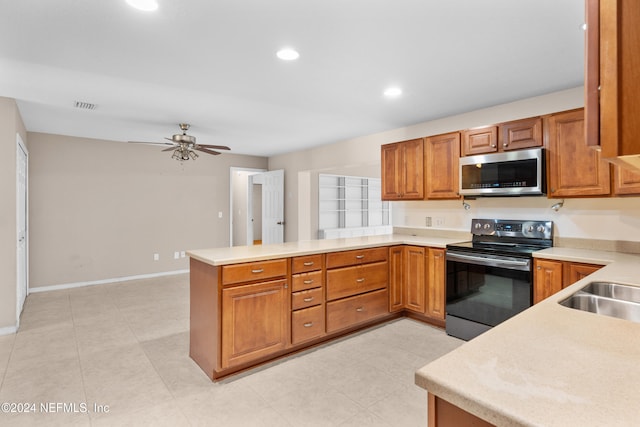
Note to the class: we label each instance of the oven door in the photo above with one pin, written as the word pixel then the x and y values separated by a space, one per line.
pixel 485 290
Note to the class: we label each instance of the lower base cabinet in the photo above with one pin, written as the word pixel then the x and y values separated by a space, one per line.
pixel 307 324
pixel 444 414
pixel 358 309
pixel 551 276
pixel 254 321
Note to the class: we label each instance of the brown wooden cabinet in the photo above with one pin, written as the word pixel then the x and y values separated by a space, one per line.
pixel 612 79
pixel 513 135
pixel 436 284
pixel 441 156
pixel 307 298
pixel 551 276
pixel 357 287
pixel 520 134
pixel 625 181
pixel 255 321
pixel 403 170
pixel 414 278
pixel 396 275
pixel 574 170
pixel 480 140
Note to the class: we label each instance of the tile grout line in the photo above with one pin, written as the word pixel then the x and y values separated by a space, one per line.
pixel 75 337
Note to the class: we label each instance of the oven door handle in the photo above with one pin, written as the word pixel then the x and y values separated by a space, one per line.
pixel 492 262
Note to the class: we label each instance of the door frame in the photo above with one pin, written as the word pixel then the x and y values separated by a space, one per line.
pixel 232 170
pixel 20 145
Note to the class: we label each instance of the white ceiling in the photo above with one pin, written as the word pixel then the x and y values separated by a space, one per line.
pixel 212 63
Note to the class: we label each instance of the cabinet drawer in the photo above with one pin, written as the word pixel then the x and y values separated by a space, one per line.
pixel 251 271
pixel 359 309
pixel 302 264
pixel 358 256
pixel 300 282
pixel 305 299
pixel 307 324
pixel 348 281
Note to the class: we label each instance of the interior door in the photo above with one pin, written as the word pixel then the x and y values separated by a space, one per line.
pixel 21 168
pixel 273 207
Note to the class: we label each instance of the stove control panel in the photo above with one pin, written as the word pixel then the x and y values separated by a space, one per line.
pixel 512 228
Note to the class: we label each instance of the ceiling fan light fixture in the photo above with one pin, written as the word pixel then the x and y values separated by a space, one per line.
pixel 392 92
pixel 144 5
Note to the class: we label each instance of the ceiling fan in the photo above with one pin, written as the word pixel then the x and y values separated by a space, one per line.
pixel 184 146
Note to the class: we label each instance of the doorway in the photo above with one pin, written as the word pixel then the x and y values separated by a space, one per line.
pixel 256 207
pixel 22 209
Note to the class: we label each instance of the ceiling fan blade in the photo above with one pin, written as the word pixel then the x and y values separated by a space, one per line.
pixel 150 143
pixel 170 139
pixel 217 147
pixel 173 147
pixel 205 150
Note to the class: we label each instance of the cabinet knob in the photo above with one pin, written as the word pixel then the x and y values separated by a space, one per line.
pixel 258 271
pixel 360 309
pixel 308 264
pixel 359 256
pixel 308 324
pixel 308 282
pixel 360 280
pixel 309 299
pixel 493 145
pixel 506 144
pixel 538 268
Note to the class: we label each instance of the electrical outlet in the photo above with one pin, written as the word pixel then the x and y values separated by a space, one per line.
pixel 428 221
pixel 220 214
pixel 182 254
pixel 176 255
pixel 156 257
pixel 439 221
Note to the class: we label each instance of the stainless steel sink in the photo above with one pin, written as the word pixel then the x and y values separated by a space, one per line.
pixel 608 299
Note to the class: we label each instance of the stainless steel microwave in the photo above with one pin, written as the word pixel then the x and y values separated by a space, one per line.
pixel 515 173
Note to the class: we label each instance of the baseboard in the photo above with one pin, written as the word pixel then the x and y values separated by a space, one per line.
pixel 104 281
pixel 7 330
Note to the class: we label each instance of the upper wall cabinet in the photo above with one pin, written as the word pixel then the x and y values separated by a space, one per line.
pixel 574 170
pixel 515 135
pixel 612 79
pixel 480 140
pixel 403 170
pixel 441 157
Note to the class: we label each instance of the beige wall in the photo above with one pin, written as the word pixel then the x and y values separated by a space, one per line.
pixel 579 218
pixel 101 209
pixel 10 124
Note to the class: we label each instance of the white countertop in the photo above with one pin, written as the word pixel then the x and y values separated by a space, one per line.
pixel 550 365
pixel 238 254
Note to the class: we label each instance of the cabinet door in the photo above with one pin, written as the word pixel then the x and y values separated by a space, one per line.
pixel 391 171
pixel 575 170
pixel 574 271
pixel 403 170
pixel 436 286
pixel 592 72
pixel 414 279
pixel 441 156
pixel 413 170
pixel 396 268
pixel 480 140
pixel 547 279
pixel 519 134
pixel 619 45
pixel 255 321
pixel 625 181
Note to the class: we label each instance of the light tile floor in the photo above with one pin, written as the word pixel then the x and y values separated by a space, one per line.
pixel 124 346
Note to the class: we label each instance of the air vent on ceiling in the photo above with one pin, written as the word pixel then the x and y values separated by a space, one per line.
pixel 85 105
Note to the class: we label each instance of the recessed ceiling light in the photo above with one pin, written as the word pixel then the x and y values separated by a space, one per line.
pixel 288 54
pixel 393 92
pixel 146 5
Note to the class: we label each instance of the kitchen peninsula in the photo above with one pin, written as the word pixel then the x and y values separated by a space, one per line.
pixel 253 304
pixel 548 366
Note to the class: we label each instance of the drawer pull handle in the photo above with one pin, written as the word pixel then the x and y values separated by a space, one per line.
pixel 359 256
pixel 360 280
pixel 258 271
pixel 308 324
pixel 308 264
pixel 360 309
pixel 308 282
pixel 309 299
